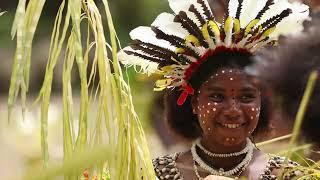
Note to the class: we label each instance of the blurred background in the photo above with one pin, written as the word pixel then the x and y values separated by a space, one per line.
pixel 20 139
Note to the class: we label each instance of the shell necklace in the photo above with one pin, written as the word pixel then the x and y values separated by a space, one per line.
pixel 232 172
pixel 243 151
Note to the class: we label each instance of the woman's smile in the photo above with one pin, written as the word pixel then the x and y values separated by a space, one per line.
pixel 234 126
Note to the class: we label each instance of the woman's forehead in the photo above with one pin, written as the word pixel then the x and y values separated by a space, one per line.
pixel 226 78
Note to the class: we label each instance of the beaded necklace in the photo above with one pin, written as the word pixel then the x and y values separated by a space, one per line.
pixel 243 151
pixel 236 170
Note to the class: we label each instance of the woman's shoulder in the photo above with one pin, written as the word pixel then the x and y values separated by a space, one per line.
pixel 166 168
pixel 276 165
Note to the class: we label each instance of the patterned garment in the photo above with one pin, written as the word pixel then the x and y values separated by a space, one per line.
pixel 165 168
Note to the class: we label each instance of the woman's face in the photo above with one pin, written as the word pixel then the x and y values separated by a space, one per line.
pixel 227 106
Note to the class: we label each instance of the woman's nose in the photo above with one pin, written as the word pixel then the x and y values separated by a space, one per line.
pixel 232 109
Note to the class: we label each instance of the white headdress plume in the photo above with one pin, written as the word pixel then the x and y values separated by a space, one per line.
pixel 177 44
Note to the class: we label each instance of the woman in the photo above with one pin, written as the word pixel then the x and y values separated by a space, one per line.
pixel 211 95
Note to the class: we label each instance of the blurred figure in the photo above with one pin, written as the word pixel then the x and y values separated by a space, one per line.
pixel 299 56
pixel 314 5
pixel 219 7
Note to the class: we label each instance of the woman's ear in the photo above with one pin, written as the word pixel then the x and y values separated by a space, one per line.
pixel 194 103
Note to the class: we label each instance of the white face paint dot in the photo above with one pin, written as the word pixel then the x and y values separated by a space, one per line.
pixel 215 103
pixel 231 79
pixel 199 91
pixel 209 129
pixel 252 109
pixel 198 107
pixel 211 77
pixel 202 106
pixel 257 109
pixel 230 70
pixel 222 71
pixel 214 109
pixel 208 111
pixel 199 115
pixel 227 139
pixel 251 117
pixel 203 122
pixel 216 74
pixel 204 115
pixel 209 104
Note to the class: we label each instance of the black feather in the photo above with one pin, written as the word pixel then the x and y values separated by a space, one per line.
pixel 194 28
pixel 153 59
pixel 197 14
pixel 205 9
pixel 174 40
pixel 272 22
pixel 239 9
pixel 265 8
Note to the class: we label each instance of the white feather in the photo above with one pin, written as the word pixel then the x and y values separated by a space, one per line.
pixel 145 34
pixel 228 39
pixel 146 66
pixel 289 25
pixel 179 5
pixel 250 9
pixel 293 24
pixel 232 7
pixel 164 22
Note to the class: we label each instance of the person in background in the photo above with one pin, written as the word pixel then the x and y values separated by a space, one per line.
pixel 298 57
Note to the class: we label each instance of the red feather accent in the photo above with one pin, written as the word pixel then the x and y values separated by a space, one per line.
pixel 187 89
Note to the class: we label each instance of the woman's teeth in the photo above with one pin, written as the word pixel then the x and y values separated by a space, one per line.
pixel 231 126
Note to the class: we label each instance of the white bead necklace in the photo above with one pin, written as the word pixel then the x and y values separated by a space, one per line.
pixel 201 178
pixel 243 151
pixel 241 166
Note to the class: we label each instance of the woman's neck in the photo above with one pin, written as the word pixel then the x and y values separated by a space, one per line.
pixel 218 148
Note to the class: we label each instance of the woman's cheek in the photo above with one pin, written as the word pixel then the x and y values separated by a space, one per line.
pixel 207 112
pixel 253 113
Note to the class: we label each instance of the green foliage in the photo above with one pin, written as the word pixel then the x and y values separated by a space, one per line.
pixel 116 125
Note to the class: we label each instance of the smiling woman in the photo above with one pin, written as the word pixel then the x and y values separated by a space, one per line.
pixel 214 98
pixel 222 114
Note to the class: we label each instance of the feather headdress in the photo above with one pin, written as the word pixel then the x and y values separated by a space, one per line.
pixel 177 44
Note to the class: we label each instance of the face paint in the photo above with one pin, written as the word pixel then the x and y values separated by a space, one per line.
pixel 229 110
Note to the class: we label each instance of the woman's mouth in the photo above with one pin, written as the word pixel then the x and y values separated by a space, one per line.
pixel 232 126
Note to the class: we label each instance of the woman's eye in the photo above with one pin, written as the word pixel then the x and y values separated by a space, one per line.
pixel 247 98
pixel 216 97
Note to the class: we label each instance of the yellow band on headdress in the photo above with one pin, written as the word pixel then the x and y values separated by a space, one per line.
pixel 268 32
pixel 227 24
pixel 216 30
pixel 236 26
pixel 250 26
pixel 162 84
pixel 179 51
pixel 192 39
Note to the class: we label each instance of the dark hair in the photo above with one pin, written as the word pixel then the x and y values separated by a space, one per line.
pixel 291 65
pixel 181 118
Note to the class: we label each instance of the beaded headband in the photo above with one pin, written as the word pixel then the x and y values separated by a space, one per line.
pixel 176 45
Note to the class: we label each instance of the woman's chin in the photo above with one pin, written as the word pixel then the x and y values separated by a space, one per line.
pixel 230 140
